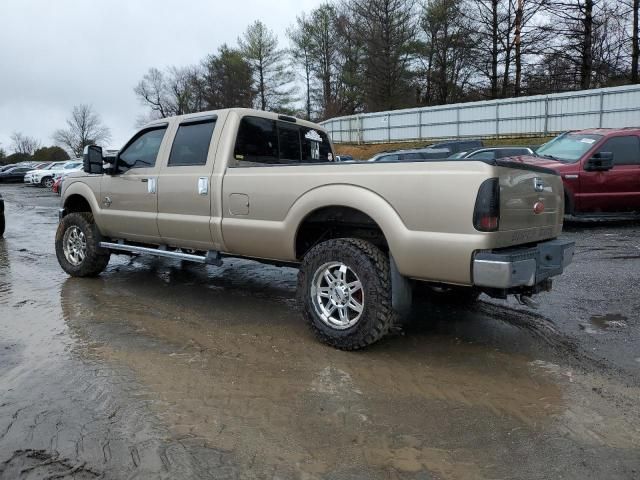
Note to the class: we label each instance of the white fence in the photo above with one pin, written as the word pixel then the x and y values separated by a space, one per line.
pixel 513 117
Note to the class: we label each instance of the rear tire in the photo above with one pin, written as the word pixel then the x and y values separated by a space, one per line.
pixel 78 246
pixel 344 289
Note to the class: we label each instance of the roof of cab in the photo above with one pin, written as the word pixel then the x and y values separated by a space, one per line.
pixel 239 111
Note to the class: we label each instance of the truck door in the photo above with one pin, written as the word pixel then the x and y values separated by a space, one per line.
pixel 618 189
pixel 129 198
pixel 184 186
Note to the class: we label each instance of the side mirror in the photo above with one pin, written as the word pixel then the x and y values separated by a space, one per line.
pixel 92 159
pixel 600 162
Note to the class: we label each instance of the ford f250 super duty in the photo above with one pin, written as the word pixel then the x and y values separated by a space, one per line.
pixel 239 182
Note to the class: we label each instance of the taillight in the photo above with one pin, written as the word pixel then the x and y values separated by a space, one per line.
pixel 486 216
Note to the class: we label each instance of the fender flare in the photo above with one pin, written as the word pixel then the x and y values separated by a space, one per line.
pixel 350 196
pixel 81 189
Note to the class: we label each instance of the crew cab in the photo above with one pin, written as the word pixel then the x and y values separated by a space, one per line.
pixel 247 183
pixel 600 169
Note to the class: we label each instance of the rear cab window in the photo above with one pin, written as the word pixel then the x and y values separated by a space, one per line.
pixel 264 142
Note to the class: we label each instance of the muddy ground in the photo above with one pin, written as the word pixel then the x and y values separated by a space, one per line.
pixel 159 369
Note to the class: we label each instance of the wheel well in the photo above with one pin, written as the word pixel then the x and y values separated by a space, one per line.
pixel 77 203
pixel 337 222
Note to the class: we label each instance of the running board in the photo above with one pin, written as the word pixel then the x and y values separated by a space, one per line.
pixel 211 258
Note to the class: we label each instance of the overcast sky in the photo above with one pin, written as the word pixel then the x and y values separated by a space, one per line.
pixel 55 54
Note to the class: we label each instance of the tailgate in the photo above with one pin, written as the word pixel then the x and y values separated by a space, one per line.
pixel 530 200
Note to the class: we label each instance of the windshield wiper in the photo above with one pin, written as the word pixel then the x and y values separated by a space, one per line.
pixel 548 156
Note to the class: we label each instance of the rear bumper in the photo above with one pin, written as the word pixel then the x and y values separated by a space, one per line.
pixel 522 267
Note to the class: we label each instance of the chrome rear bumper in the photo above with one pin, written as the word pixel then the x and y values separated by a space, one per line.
pixel 522 267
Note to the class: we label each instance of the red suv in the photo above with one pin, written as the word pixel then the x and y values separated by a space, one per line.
pixel 600 169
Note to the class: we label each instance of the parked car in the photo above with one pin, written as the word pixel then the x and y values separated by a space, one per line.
pixel 59 177
pixel 408 155
pixel 14 174
pixel 2 221
pixel 42 166
pixel 600 169
pixel 455 146
pixel 491 153
pixel 239 182
pixel 344 158
pixel 45 177
pixel 57 185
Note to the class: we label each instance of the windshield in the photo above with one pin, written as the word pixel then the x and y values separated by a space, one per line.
pixel 457 155
pixel 568 148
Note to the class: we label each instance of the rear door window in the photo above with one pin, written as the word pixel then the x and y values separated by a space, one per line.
pixel 626 150
pixel 191 144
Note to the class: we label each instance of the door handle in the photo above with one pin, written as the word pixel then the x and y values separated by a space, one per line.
pixel 203 186
pixel 152 184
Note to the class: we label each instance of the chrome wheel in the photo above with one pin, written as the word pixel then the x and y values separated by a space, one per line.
pixel 74 245
pixel 337 295
pixel 48 182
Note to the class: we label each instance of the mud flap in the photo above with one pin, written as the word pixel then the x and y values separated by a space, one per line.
pixel 401 292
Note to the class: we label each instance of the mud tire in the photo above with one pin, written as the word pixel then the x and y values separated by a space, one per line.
pixel 96 258
pixel 372 268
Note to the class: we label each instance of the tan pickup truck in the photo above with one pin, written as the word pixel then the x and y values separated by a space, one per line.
pixel 252 184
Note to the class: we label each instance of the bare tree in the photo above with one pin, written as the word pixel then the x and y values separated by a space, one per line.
pixel 84 127
pixel 175 91
pixel 24 144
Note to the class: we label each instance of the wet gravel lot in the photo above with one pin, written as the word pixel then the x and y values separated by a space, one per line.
pixel 162 369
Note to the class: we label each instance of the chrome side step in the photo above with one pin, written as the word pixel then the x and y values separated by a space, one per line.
pixel 211 258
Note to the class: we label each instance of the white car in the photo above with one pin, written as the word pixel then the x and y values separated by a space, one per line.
pixel 45 176
pixel 76 166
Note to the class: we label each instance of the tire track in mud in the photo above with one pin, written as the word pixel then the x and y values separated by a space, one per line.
pixel 39 464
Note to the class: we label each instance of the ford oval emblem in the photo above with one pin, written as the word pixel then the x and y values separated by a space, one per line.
pixel 538 208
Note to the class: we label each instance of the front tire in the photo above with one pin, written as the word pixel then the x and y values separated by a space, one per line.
pixel 47 182
pixel 344 289
pixel 78 246
pixel 2 224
